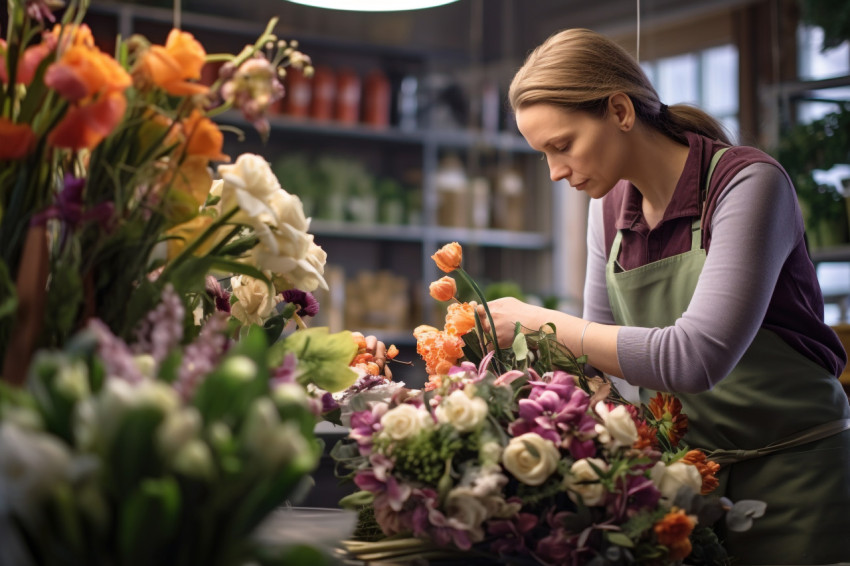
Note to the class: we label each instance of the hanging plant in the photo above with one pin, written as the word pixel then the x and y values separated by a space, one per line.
pixel 831 15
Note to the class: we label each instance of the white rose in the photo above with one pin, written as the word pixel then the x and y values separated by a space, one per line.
pixel 669 479
pixel 462 412
pixel 405 421
pixel 490 452
pixel 305 272
pixel 618 424
pixel 583 484
pixel 465 512
pixel 255 302
pixel 247 183
pixel 531 458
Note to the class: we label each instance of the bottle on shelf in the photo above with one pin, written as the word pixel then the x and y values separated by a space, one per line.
pixel 347 97
pixel 376 99
pixel 452 193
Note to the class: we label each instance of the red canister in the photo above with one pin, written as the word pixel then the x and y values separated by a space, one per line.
pixel 324 92
pixel 347 96
pixel 296 101
pixel 376 100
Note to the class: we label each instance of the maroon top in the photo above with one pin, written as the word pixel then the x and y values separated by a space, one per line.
pixel 795 310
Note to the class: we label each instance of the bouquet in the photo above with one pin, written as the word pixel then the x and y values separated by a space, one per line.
pixel 106 180
pixel 523 458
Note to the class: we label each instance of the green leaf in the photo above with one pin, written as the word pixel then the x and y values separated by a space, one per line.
pixel 148 519
pixel 357 500
pixel 520 347
pixel 133 454
pixel 323 358
pixel 740 516
pixel 9 302
pixel 619 539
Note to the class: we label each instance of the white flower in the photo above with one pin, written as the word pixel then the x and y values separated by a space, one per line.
pixel 31 465
pixel 73 380
pixel 289 394
pixel 619 428
pixel 582 483
pixel 531 458
pixel 146 365
pixel 277 218
pixel 272 442
pixel 195 460
pixel 462 412
pixel 465 512
pixel 669 479
pixel 178 429
pixel 256 300
pixel 490 452
pixel 405 421
pixel 366 399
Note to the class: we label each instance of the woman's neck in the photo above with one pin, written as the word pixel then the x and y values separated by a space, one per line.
pixel 655 168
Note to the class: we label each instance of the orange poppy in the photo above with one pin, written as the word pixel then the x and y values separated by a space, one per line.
pixel 448 257
pixel 82 71
pixel 87 125
pixel 203 137
pixel 444 289
pixel 16 140
pixel 173 66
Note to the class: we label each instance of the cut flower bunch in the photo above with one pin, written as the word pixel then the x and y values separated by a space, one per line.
pixel 513 458
pixel 106 186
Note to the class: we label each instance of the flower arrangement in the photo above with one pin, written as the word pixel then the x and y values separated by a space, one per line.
pixel 515 458
pixel 106 185
pixel 152 409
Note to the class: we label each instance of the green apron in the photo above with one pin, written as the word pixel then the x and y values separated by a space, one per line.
pixel 779 423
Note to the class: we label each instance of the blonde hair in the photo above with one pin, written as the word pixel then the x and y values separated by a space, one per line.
pixel 578 69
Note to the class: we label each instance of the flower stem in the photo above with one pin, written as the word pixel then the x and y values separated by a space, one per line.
pixel 498 352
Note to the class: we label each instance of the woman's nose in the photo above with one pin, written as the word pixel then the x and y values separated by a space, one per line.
pixel 558 171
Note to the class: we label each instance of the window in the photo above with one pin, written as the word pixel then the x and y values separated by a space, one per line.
pixel 707 78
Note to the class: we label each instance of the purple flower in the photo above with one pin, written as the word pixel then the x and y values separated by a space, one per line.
pixel 162 328
pixel 202 356
pixel 285 372
pixel 509 534
pixel 115 354
pixel 219 295
pixel 555 409
pixel 308 303
pixel 558 547
pixel 69 208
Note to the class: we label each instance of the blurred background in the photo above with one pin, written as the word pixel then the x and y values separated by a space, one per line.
pixel 402 140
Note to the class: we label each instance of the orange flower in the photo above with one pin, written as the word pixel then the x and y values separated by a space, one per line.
pixel 16 140
pixel 440 350
pixel 707 469
pixel 460 319
pixel 29 62
pixel 392 352
pixel 83 71
pixel 172 67
pixel 673 531
pixel 73 34
pixel 448 257
pixel 443 289
pixel 86 126
pixel 667 410
pixel 203 137
pixel 186 233
pixel 188 188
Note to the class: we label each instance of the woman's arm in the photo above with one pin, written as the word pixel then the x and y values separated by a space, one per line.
pixel 756 225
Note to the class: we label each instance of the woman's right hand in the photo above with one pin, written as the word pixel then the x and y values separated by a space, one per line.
pixel 506 312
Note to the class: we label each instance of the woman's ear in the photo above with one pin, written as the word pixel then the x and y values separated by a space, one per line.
pixel 621 109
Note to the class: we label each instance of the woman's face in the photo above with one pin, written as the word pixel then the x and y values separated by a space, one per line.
pixel 587 151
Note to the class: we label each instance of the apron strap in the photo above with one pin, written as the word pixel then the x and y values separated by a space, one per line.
pixel 726 457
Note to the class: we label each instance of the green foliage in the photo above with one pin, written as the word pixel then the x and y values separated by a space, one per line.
pixel 820 144
pixel 323 358
pixel 831 15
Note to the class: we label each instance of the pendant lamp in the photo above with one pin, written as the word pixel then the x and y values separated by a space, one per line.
pixel 373 5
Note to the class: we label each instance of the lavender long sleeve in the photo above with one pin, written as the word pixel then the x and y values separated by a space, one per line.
pixel 755 227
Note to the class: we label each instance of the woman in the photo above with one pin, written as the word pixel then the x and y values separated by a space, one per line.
pixel 698 283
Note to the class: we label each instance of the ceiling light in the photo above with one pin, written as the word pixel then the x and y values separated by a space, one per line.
pixel 374 5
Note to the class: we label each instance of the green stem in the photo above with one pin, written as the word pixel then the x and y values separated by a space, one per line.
pixel 190 249
pixel 471 282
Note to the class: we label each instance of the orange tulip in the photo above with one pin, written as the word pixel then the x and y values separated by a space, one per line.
pixel 460 319
pixel 29 62
pixel 443 289
pixel 87 125
pixel 203 137
pixel 448 257
pixel 16 140
pixel 72 35
pixel 172 66
pixel 673 531
pixel 83 71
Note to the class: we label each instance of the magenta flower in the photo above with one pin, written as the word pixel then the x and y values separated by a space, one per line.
pixel 307 303
pixel 556 410
pixel 509 534
pixel 219 295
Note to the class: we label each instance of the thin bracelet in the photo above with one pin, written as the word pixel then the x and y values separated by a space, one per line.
pixel 583 332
